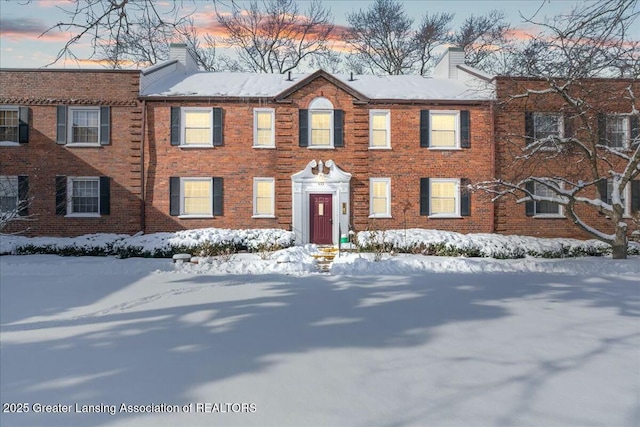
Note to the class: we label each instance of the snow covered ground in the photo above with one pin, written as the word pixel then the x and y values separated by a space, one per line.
pixel 406 341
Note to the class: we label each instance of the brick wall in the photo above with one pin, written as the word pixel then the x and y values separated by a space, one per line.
pixel 42 159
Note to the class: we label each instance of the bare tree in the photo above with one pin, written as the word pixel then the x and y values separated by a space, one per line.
pixel 481 37
pixel 274 36
pixel 432 33
pixel 586 157
pixel 109 22
pixel 382 37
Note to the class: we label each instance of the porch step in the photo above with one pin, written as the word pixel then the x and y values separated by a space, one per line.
pixel 325 257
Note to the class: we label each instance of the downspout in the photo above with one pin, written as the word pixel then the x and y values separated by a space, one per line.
pixel 493 161
pixel 143 198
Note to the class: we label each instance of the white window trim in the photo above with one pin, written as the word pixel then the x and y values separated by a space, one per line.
pixel 70 213
pixel 387 114
pixel 627 199
pixel 387 214
pixel 182 195
pixel 4 143
pixel 273 128
pixel 456 182
pixel 456 113
pixel 70 142
pixel 13 189
pixel 627 131
pixel 183 127
pixel 324 108
pixel 560 213
pixel 273 197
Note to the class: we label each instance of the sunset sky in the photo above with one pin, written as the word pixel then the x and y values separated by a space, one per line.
pixel 21 25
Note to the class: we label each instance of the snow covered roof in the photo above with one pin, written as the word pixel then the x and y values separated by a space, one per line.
pixel 253 85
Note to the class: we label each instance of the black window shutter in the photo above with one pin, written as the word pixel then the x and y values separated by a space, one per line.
pixel 635 196
pixel 568 125
pixel 635 128
pixel 338 128
pixel 530 206
pixel 61 130
pixel 175 125
pixel 424 196
pixel 465 129
pixel 218 136
pixel 174 196
pixel 217 196
pixel 23 126
pixel 529 130
pixel 303 128
pixel 23 195
pixel 105 125
pixel 465 197
pixel 61 195
pixel 602 129
pixel 602 190
pixel 105 195
pixel 424 128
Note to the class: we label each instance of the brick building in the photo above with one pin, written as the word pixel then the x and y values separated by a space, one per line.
pixel 607 116
pixel 170 148
pixel 317 153
pixel 70 144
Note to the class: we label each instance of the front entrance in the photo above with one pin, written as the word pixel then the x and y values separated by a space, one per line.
pixel 321 221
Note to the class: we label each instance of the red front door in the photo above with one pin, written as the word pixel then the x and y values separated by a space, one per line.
pixel 321 219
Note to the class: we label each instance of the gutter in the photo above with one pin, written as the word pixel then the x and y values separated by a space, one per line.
pixel 143 198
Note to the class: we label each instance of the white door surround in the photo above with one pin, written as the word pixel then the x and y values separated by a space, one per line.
pixel 305 182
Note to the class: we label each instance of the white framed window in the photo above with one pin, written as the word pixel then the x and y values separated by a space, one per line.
pixel 263 197
pixel 197 124
pixel 9 122
pixel 444 197
pixel 625 196
pixel 547 125
pixel 379 197
pixel 379 129
pixel 196 197
pixel 8 194
pixel 545 209
pixel 445 129
pixel 264 128
pixel 321 123
pixel 84 126
pixel 617 131
pixel 83 196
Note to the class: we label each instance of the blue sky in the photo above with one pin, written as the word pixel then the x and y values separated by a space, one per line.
pixel 21 24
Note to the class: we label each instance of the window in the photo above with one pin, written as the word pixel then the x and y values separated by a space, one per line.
pixel 84 196
pixel 445 130
pixel 380 197
pixel 8 194
pixel 444 197
pixel 606 190
pixel 9 124
pixel 321 119
pixel 196 127
pixel 543 125
pixel 263 197
pixel 615 130
pixel 263 127
pixel 196 197
pixel 379 129
pixel 83 126
pixel 545 208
